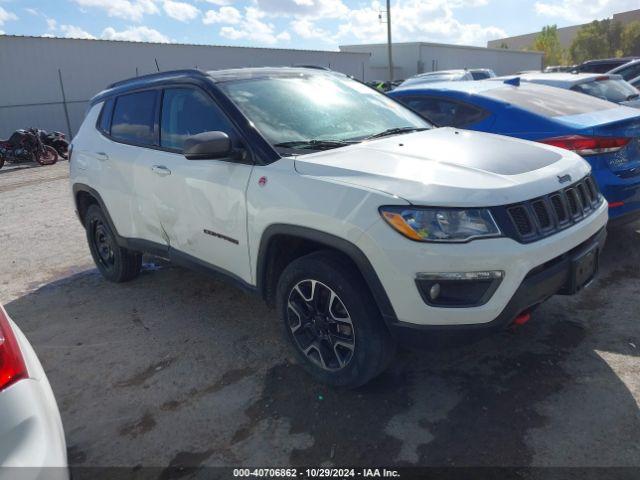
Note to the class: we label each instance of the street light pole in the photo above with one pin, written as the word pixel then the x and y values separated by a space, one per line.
pixel 389 40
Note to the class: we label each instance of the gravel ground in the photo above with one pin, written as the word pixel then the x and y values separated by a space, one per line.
pixel 175 368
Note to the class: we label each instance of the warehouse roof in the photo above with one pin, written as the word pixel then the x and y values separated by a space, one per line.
pixel 36 37
pixel 433 44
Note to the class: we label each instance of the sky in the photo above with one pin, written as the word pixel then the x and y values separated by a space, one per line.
pixel 306 24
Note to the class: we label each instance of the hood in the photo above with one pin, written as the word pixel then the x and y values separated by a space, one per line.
pixel 448 167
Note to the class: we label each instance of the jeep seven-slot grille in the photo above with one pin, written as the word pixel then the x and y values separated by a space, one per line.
pixel 551 213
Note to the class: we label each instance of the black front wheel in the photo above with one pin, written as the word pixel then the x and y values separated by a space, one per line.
pixel 116 264
pixel 332 321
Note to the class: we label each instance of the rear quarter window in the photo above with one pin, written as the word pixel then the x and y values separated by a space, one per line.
pixel 104 123
pixel 134 117
pixel 547 101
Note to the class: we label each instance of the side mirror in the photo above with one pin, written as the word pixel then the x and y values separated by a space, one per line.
pixel 208 145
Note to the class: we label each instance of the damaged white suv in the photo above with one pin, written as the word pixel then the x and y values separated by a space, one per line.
pixel 364 224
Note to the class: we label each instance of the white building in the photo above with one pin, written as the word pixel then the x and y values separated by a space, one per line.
pixel 419 57
pixel 35 71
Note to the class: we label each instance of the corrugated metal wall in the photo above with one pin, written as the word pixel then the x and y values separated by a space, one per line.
pixel 30 85
pixel 501 61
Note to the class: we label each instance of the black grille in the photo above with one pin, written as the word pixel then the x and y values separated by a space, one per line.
pixel 521 220
pixel 559 208
pixel 542 214
pixel 546 215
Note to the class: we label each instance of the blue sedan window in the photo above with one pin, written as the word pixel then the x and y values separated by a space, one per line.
pixel 444 113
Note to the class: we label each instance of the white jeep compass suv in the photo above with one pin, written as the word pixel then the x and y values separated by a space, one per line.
pixel 362 223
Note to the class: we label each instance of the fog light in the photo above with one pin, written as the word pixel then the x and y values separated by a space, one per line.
pixel 458 289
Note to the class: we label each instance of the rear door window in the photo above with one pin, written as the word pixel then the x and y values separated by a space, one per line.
pixel 186 112
pixel 134 118
pixel 547 101
pixel 479 75
pixel 445 113
pixel 630 72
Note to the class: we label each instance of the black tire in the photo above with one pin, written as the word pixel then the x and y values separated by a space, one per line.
pixel 1 161
pixel 361 327
pixel 115 263
pixel 48 156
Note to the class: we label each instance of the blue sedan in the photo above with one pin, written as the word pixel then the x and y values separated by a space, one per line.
pixel 605 134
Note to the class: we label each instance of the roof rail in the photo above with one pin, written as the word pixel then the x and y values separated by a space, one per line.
pixel 156 75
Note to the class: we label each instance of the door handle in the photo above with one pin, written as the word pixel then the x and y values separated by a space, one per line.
pixel 161 170
pixel 102 156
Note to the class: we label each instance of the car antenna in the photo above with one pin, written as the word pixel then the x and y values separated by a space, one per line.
pixel 157 66
pixel 515 81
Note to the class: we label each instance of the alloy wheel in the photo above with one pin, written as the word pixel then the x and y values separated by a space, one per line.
pixel 320 325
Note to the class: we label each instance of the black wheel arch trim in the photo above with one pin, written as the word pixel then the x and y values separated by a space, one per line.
pixel 81 187
pixel 331 241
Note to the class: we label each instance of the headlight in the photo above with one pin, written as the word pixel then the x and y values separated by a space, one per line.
pixel 441 224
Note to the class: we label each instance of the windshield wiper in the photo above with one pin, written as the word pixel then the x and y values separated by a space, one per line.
pixel 395 131
pixel 314 144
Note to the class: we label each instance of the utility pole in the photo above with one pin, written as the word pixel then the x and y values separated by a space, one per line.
pixel 389 40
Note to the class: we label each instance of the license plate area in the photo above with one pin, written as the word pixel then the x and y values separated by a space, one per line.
pixel 583 269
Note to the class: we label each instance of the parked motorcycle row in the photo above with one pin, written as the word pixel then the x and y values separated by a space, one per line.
pixel 34 145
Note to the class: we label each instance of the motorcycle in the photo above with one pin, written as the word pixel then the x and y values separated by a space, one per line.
pixel 26 146
pixel 57 140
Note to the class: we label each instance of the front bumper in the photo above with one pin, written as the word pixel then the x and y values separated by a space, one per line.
pixel 398 261
pixel 552 277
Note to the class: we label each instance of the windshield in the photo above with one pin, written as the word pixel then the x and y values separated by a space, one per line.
pixel 319 109
pixel 613 90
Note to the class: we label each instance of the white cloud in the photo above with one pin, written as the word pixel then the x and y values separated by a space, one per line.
pixel 184 12
pixel 51 24
pixel 135 34
pixel 6 16
pixel 220 3
pixel 305 28
pixel 253 27
pixel 72 31
pixel 414 20
pixel 583 11
pixel 32 11
pixel 133 10
pixel 304 8
pixel 228 15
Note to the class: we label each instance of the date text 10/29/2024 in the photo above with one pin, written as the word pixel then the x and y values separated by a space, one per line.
pixel 316 473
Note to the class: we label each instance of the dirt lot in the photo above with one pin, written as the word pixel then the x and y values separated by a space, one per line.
pixel 176 368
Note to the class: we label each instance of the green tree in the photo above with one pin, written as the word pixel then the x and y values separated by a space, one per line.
pixel 504 45
pixel 548 42
pixel 630 39
pixel 598 39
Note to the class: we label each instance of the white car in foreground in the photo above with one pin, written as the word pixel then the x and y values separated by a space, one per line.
pixel 31 433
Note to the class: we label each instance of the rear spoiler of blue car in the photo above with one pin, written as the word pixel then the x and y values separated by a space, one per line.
pixel 515 81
